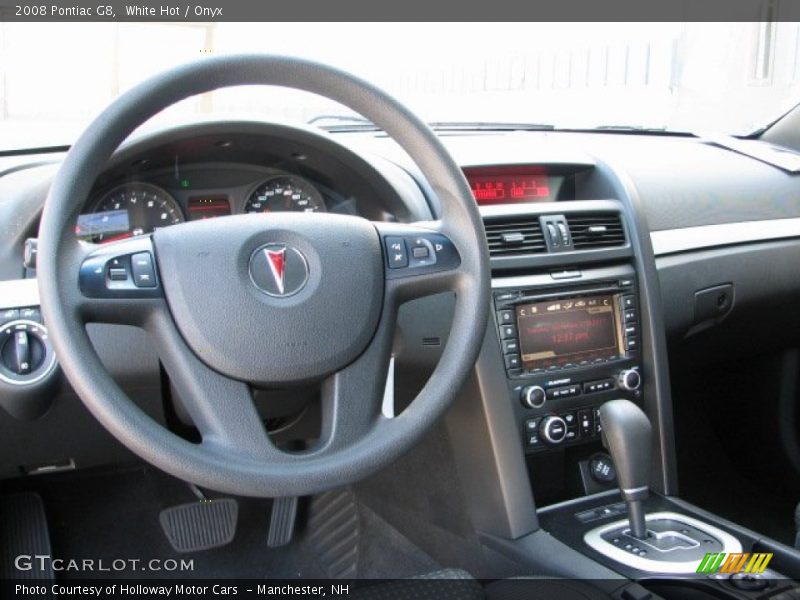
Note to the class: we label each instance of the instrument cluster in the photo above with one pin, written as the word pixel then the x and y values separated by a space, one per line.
pixel 140 207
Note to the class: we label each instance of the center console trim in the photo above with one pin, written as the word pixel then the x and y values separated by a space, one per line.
pixel 595 540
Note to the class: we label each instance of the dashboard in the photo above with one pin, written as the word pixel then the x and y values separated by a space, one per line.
pixel 197 191
pixel 577 226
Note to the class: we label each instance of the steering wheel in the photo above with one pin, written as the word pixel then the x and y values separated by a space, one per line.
pixel 277 299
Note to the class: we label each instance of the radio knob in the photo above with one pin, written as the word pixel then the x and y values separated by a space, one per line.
pixel 553 429
pixel 629 380
pixel 533 396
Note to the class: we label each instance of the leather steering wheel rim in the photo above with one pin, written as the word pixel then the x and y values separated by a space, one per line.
pixel 356 439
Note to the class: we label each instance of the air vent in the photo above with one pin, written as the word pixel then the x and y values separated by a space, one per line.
pixel 514 237
pixel 595 230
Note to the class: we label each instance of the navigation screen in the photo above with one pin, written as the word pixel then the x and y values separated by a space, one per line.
pixel 561 332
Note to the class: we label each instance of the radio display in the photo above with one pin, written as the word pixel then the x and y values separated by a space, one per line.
pixel 571 331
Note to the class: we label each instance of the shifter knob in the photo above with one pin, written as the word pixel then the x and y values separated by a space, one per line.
pixel 627 434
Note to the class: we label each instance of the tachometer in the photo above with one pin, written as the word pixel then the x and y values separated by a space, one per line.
pixel 128 210
pixel 285 193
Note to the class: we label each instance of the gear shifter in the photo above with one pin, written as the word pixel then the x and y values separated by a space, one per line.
pixel 627 436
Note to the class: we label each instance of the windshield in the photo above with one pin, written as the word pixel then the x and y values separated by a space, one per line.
pixel 730 78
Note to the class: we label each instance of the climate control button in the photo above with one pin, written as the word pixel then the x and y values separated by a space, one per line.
pixel 553 429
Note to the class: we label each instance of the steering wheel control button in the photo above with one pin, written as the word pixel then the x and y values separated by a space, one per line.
pixel 396 252
pixel 25 352
pixel 279 270
pixel 420 252
pixel 144 274
pixel 423 253
pixel 117 274
pixel 123 269
pixel 408 255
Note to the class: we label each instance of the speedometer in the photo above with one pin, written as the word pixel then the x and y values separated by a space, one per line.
pixel 285 193
pixel 128 210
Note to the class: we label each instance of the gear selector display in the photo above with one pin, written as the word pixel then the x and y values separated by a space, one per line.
pixel 571 331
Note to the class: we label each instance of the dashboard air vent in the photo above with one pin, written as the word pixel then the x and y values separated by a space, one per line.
pixel 595 230
pixel 514 237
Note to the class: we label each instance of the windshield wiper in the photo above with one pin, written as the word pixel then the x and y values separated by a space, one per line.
pixel 344 123
pixel 633 129
pixel 627 128
pixel 488 126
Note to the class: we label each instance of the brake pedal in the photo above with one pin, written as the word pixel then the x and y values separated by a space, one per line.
pixel 200 525
pixel 24 533
pixel 281 522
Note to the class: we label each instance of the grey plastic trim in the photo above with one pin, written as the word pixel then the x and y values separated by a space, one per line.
pixel 595 540
pixel 16 293
pixel 587 276
pixel 612 180
pixel 673 241
pixel 487 447
pixel 387 406
pixel 575 502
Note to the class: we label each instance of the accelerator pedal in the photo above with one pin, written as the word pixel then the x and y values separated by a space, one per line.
pixel 24 533
pixel 281 522
pixel 334 533
pixel 200 525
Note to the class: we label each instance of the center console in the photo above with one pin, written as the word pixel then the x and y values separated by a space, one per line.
pixel 567 348
pixel 572 470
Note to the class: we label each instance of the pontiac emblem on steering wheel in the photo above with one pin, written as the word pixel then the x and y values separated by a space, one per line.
pixel 278 270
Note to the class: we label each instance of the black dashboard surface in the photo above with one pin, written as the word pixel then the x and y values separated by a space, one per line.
pixel 682 180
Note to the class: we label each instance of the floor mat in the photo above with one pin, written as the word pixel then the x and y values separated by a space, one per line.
pixel 24 533
pixel 115 515
pixel 347 539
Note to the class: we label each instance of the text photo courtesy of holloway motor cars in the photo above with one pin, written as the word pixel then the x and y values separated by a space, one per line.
pixel 396 301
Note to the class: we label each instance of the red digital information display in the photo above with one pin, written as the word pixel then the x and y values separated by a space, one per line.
pixel 208 207
pixel 506 186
